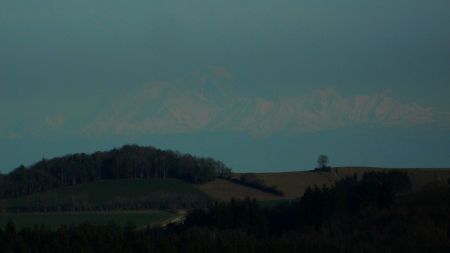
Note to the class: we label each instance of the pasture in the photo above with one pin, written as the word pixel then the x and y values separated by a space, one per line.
pixel 55 220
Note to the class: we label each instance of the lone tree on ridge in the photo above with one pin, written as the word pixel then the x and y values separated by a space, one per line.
pixel 322 162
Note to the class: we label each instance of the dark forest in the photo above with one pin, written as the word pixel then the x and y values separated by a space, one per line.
pixel 378 213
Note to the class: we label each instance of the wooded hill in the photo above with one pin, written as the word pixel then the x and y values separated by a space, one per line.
pixel 128 162
pixel 37 187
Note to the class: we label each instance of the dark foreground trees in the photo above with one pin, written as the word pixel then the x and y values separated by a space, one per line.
pixel 369 215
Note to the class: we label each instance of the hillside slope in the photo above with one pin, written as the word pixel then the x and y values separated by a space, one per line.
pixel 132 194
pixel 224 190
pixel 293 184
pixel 113 195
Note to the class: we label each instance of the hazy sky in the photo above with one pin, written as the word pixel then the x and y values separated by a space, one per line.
pixel 261 85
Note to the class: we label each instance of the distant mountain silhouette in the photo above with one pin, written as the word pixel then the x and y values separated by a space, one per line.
pixel 212 106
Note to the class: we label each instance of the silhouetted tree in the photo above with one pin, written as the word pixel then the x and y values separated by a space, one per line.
pixel 322 162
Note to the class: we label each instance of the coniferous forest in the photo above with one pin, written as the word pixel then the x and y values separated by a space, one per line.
pixel 376 213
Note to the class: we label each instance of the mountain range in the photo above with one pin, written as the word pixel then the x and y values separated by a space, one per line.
pixel 213 106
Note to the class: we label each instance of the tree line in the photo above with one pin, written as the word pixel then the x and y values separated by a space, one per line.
pixel 377 213
pixel 251 180
pixel 130 161
pixel 345 200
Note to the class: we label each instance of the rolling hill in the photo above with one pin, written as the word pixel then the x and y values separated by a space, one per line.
pixel 147 201
pixel 293 184
pixel 224 190
pixel 122 194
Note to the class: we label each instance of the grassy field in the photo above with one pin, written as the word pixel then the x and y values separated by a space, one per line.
pixel 294 184
pixel 55 220
pixel 173 191
pixel 224 190
pixel 110 191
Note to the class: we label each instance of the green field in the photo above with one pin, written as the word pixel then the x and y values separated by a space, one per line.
pixel 55 220
pixel 112 194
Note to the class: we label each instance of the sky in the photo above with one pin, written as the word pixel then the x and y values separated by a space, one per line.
pixel 261 85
